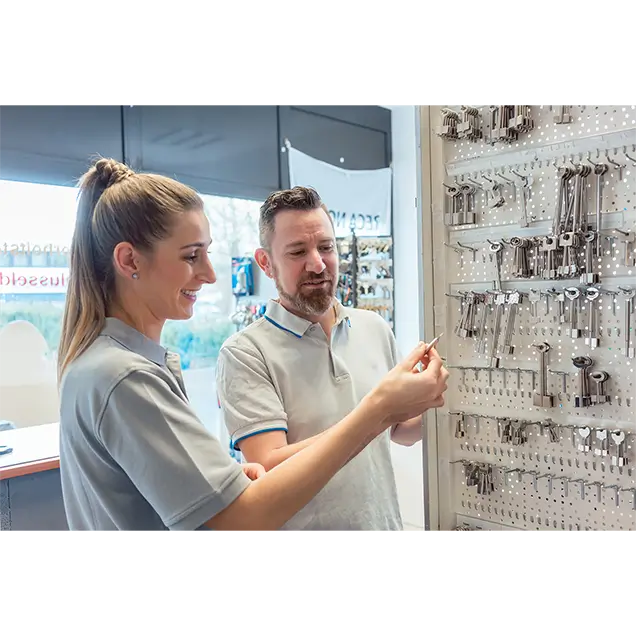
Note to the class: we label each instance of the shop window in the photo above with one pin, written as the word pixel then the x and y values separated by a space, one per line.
pixel 36 227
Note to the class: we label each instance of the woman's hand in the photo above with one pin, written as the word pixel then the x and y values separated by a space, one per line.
pixel 253 471
pixel 406 392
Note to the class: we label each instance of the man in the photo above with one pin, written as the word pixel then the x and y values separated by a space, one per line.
pixel 306 364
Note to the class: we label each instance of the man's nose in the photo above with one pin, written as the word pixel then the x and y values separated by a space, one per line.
pixel 315 263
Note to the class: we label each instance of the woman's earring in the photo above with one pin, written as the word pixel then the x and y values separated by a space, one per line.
pixel 135 275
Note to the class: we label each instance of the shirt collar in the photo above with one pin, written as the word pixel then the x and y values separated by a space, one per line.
pixel 134 341
pixel 276 314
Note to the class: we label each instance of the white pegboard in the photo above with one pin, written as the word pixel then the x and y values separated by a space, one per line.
pixel 602 134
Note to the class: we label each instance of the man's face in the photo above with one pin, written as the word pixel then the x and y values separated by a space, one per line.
pixel 303 260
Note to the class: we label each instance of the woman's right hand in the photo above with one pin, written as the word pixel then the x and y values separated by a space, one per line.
pixel 405 393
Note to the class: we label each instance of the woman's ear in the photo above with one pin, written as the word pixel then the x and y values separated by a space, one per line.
pixel 126 260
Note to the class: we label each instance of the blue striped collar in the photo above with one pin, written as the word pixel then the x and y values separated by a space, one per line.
pixel 280 317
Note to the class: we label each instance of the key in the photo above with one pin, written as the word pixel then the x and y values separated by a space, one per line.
pixel 549 245
pixel 563 115
pixel 627 238
pixel 602 443
pixel 505 430
pixel 496 249
pixel 629 294
pixel 534 297
pixel 618 440
pixel 460 426
pixel 573 294
pixel 582 363
pixel 495 360
pixel 469 127
pixel 468 192
pixel 542 398
pixel 589 277
pixel 480 344
pixel 521 268
pixel 525 196
pixel 568 241
pixel 599 378
pixel 593 335
pixel 599 170
pixel 450 121
pixel 507 347
pixel 585 442
pixel 464 328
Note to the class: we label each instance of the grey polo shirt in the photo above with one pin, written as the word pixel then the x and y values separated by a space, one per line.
pixel 133 455
pixel 281 373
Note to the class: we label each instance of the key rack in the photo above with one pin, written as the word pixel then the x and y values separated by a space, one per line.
pixel 529 230
pixel 366 274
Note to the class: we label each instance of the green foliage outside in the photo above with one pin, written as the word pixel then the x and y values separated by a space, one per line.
pixel 197 340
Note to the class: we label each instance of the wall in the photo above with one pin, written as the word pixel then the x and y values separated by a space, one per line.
pixel 407 461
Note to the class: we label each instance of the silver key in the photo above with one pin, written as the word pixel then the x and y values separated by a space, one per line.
pixel 599 378
pixel 574 295
pixel 593 336
pixel 629 294
pixel 602 443
pixel 582 363
pixel 495 248
pixel 542 398
pixel 585 439
pixel 618 440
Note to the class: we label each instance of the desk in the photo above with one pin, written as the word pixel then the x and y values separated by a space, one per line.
pixel 30 487
pixel 35 449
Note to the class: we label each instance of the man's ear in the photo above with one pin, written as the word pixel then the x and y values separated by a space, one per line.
pixel 264 261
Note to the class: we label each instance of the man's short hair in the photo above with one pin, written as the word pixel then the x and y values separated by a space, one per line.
pixel 298 198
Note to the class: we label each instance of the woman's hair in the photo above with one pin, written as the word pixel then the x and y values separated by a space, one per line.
pixel 115 205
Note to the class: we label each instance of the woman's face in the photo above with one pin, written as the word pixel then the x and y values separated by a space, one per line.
pixel 177 269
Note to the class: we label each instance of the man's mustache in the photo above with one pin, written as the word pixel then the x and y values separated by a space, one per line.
pixel 316 279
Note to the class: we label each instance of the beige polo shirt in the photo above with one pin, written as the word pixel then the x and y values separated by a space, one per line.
pixel 133 454
pixel 281 373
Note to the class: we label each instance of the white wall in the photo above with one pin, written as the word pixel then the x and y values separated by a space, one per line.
pixel 407 462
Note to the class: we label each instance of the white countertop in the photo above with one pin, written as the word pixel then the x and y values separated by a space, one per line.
pixel 31 444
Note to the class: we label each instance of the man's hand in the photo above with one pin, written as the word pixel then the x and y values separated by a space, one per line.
pixel 253 471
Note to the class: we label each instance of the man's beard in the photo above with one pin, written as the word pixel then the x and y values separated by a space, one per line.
pixel 308 301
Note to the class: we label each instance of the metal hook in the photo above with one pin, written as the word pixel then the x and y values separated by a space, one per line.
pixel 455 249
pixel 618 165
pixel 501 176
pixel 515 172
pixel 479 185
pixel 596 165
pixel 630 159
pixel 467 247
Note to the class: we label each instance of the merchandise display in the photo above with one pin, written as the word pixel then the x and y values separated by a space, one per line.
pixel 535 278
pixel 366 274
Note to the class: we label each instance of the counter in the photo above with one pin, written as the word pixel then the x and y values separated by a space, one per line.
pixel 35 449
pixel 30 486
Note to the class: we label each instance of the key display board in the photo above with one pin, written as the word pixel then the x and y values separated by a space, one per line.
pixel 534 268
pixel 366 274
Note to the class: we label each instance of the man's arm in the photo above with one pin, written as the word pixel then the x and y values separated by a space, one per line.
pixel 407 433
pixel 270 448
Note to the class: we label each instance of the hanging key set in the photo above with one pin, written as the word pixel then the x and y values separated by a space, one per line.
pixel 599 442
pixel 504 124
pixel 543 323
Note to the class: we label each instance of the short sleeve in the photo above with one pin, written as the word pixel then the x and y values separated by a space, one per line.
pixel 250 403
pixel 176 464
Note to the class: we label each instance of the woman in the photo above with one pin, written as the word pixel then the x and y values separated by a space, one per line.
pixel 133 454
